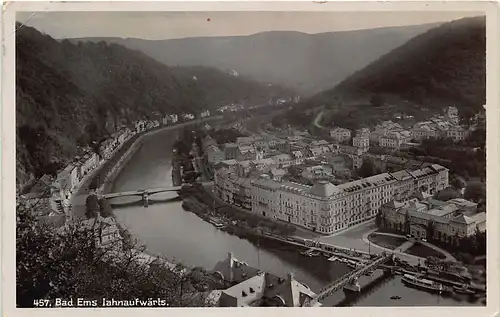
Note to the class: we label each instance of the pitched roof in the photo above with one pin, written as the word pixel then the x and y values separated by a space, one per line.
pixel 463 219
pixel 479 217
pixel 234 270
pixel 290 291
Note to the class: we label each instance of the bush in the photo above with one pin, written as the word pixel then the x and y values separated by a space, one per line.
pixel 66 263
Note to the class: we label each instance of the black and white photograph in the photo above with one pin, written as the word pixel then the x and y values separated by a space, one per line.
pixel 249 158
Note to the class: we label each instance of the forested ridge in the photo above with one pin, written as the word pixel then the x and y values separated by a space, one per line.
pixel 446 63
pixel 70 94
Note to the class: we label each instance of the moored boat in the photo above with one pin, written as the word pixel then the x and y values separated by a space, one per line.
pixel 464 289
pixel 310 253
pixel 333 259
pixel 422 283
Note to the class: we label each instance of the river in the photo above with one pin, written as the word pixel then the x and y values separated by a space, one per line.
pixel 168 230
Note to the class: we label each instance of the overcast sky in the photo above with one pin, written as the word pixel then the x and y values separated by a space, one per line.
pixel 168 25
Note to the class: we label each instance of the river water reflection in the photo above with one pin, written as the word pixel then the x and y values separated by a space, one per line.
pixel 167 229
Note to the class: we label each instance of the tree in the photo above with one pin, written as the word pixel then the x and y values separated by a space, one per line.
pixel 378 219
pixel 367 168
pixel 475 192
pixel 66 263
pixel 407 222
pixel 431 226
pixel 458 182
pixel 447 194
pixel 92 206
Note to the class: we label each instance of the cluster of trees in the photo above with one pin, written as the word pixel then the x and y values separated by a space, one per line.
pixel 469 163
pixel 66 263
pixel 294 117
pixel 367 168
pixel 225 135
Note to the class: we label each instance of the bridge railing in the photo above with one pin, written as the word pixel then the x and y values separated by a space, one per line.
pixel 332 287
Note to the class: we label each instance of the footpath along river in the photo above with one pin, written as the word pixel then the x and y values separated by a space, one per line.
pixel 167 229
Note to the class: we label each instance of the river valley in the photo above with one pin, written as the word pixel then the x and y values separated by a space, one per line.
pixel 168 230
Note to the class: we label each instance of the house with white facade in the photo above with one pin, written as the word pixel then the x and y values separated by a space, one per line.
pixel 340 134
pixel 394 139
pixel 457 133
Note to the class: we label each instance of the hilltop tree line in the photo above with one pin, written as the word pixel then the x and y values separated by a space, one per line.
pixel 76 94
pixel 446 63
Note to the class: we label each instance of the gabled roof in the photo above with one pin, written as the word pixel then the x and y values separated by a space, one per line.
pixel 234 270
pixel 292 292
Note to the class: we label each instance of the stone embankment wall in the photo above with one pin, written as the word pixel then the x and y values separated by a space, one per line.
pixel 115 171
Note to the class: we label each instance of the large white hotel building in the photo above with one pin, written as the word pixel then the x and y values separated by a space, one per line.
pixel 324 207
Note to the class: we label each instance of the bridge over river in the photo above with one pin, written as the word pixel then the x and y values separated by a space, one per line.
pixel 346 279
pixel 145 193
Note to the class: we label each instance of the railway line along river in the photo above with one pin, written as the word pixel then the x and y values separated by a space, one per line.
pixel 167 229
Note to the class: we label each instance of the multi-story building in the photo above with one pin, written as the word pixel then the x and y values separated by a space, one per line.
pixel 88 163
pixel 362 142
pixel 249 152
pixel 283 160
pixel 298 157
pixel 340 134
pixel 327 208
pixel 394 139
pixel 451 220
pixel 265 197
pixel 283 146
pixel 457 133
pixel 231 151
pixel 214 154
pixel 451 115
pixel 69 177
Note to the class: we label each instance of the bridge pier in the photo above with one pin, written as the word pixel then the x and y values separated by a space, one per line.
pixel 352 286
pixel 145 199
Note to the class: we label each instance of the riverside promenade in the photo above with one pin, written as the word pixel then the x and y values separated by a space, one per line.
pixel 107 170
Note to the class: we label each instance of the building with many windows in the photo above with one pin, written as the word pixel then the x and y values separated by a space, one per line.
pixel 327 208
pixel 361 142
pixel 428 218
pixel 340 134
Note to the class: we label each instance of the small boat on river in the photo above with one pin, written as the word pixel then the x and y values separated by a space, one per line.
pixel 333 259
pixel 395 297
pixel 464 289
pixel 422 283
pixel 216 223
pixel 310 253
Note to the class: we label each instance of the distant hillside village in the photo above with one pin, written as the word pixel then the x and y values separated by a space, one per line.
pixel 323 186
pixel 394 136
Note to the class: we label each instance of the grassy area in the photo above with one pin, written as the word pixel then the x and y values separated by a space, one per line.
pixel 424 251
pixel 384 241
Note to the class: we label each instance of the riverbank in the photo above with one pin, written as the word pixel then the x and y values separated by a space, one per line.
pixel 199 278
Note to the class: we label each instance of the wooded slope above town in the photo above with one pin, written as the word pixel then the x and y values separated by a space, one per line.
pixel 446 63
pixel 70 94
